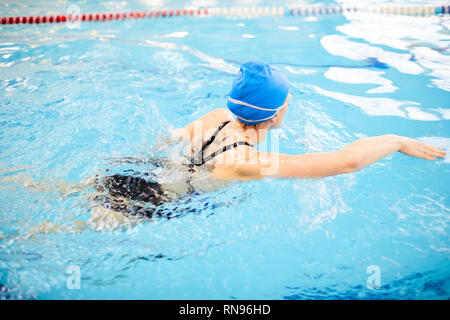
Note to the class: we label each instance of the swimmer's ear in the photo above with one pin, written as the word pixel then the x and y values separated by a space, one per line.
pixel 274 117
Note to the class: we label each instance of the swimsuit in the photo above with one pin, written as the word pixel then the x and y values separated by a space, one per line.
pixel 201 160
pixel 150 192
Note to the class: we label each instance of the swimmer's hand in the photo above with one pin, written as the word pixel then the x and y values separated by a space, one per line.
pixel 415 148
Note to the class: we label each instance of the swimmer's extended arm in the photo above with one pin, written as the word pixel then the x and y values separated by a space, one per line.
pixel 353 157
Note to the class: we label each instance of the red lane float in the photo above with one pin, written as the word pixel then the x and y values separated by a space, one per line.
pixel 236 11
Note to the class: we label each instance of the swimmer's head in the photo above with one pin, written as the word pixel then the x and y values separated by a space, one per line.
pixel 260 93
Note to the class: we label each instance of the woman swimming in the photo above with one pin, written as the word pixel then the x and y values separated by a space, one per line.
pixel 259 99
pixel 222 150
pixel 222 147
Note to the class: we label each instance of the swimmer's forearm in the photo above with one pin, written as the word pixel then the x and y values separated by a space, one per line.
pixel 366 151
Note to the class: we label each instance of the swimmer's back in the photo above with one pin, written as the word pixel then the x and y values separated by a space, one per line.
pixel 224 164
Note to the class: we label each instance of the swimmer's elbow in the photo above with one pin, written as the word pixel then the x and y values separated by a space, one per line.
pixel 345 164
pixel 352 164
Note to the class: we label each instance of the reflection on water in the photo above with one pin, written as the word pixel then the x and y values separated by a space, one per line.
pixel 384 106
pixel 405 33
pixel 361 76
pixel 340 46
pixel 411 45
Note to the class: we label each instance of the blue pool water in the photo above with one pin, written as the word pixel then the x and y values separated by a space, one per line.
pixel 72 98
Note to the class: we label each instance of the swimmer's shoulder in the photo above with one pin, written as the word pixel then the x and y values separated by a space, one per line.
pixel 212 119
pixel 217 117
pixel 225 114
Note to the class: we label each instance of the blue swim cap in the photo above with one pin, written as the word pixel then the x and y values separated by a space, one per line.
pixel 258 92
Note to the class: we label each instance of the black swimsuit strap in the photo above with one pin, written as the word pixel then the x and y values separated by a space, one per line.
pixel 213 137
pixel 212 155
pixel 228 147
pixel 199 158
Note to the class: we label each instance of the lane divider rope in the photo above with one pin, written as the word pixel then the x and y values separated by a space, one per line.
pixel 248 12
